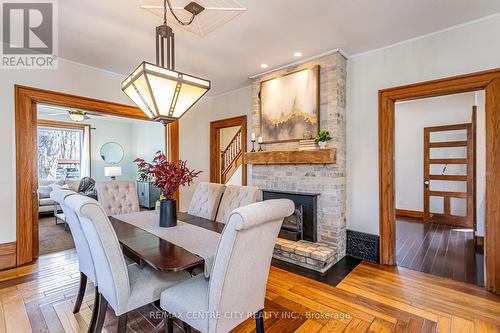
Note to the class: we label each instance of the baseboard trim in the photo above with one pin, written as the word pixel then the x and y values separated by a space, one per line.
pixel 362 245
pixel 7 255
pixel 410 213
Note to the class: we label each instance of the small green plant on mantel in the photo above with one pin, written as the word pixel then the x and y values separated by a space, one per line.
pixel 322 138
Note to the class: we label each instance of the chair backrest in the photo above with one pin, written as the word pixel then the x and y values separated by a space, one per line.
pixel 85 262
pixel 242 261
pixel 118 196
pixel 206 199
pixel 110 265
pixel 236 196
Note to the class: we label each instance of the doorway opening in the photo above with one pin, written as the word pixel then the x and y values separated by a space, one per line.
pixel 76 149
pixel 228 142
pixel 28 178
pixel 440 185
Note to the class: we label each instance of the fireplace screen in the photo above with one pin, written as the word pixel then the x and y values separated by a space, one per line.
pixel 294 225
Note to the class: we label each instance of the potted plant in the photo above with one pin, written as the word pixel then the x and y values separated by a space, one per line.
pixel 168 177
pixel 322 138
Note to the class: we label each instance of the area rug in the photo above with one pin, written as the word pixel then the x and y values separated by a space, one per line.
pixel 54 238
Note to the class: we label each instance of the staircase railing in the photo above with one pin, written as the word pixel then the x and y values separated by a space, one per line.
pixel 231 156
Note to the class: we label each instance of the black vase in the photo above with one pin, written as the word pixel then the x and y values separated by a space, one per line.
pixel 168 213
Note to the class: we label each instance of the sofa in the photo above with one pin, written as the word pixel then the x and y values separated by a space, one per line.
pixel 84 186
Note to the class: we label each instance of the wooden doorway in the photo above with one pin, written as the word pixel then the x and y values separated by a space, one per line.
pixel 490 82
pixel 450 192
pixel 225 161
pixel 26 99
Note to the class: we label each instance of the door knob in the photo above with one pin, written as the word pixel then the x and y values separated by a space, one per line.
pixel 426 183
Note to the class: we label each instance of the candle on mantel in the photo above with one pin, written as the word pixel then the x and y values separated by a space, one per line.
pixel 253 136
pixel 260 139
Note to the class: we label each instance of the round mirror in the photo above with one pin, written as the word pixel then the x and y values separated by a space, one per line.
pixel 112 153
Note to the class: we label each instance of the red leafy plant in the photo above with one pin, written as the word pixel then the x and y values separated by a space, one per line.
pixel 168 176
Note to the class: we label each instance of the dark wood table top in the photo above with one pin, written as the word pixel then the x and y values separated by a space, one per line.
pixel 145 248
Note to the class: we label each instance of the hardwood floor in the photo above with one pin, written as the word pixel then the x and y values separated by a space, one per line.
pixel 372 298
pixel 440 250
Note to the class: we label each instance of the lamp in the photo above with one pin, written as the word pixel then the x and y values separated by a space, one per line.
pixel 161 92
pixel 112 171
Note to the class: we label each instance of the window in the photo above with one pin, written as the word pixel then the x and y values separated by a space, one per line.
pixel 63 152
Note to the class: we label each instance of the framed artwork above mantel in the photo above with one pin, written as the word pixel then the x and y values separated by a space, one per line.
pixel 289 106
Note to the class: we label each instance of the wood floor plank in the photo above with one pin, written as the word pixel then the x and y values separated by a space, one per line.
pixel 381 326
pixel 461 325
pixel 334 326
pixel 2 319
pixel 16 318
pixel 484 327
pixel 309 326
pixel 444 324
pixel 357 326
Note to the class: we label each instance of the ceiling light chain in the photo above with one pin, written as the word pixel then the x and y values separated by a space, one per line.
pixel 174 15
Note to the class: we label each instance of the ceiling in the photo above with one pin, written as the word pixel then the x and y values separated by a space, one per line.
pixel 117 35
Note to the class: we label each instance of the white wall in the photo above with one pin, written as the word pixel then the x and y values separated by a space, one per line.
pixel 195 132
pixel 467 49
pixel 70 78
pixel 147 138
pixel 411 118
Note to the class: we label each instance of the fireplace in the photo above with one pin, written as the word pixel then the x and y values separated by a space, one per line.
pixel 302 224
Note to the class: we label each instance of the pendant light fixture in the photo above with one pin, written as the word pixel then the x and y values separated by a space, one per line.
pixel 161 92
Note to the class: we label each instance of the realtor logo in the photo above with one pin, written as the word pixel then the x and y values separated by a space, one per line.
pixel 29 34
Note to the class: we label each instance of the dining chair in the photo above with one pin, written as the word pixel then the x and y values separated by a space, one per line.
pixel 123 287
pixel 118 196
pixel 236 196
pixel 85 262
pixel 206 199
pixel 237 285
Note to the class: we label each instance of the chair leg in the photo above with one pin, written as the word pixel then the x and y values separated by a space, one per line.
pixel 169 323
pixel 187 328
pixel 122 323
pixel 95 309
pixel 259 322
pixel 101 314
pixel 81 293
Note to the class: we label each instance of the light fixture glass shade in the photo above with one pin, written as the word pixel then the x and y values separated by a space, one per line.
pixel 163 94
pixel 75 116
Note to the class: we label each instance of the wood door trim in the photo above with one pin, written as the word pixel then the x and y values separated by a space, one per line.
pixel 490 82
pixel 215 126
pixel 26 99
pixel 409 213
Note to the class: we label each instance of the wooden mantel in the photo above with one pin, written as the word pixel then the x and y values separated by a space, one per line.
pixel 316 156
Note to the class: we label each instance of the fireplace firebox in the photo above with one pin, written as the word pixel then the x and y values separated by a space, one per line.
pixel 302 224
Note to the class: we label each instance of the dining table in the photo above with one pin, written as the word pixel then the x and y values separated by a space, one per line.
pixel 143 242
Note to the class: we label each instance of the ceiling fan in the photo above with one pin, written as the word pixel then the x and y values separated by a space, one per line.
pixel 76 115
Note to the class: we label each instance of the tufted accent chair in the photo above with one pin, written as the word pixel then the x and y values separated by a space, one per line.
pixel 206 199
pixel 236 196
pixel 118 197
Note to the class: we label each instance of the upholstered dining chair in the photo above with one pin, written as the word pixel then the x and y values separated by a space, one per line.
pixel 85 262
pixel 123 287
pixel 236 196
pixel 206 199
pixel 237 284
pixel 118 196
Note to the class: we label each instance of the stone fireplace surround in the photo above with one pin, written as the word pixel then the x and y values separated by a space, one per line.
pixel 328 180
